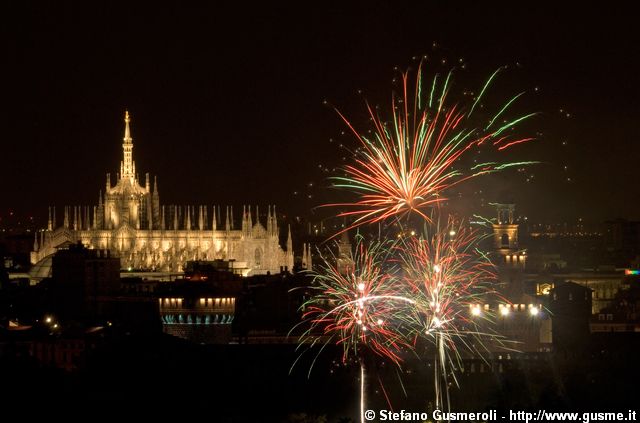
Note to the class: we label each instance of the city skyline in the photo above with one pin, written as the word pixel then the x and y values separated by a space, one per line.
pixel 228 104
pixel 321 212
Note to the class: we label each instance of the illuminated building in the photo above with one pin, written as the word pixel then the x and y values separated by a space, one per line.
pixel 505 233
pixel 202 320
pixel 130 221
pixel 521 318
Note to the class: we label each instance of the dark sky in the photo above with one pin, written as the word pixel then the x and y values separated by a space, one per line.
pixel 227 98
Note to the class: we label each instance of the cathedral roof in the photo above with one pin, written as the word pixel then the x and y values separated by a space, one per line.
pixel 125 186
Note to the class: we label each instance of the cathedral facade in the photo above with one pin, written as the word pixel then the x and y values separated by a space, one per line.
pixel 130 221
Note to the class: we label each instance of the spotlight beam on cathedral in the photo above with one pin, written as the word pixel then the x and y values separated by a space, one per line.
pixel 130 221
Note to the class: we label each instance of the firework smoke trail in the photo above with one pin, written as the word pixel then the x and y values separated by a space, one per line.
pixel 446 275
pixel 362 401
pixel 408 164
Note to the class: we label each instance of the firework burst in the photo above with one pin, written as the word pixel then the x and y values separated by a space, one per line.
pixel 447 277
pixel 359 306
pixel 396 296
pixel 357 303
pixel 410 161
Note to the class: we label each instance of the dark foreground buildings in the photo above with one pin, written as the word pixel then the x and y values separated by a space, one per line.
pixel 212 338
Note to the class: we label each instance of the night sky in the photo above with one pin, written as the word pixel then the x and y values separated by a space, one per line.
pixel 227 98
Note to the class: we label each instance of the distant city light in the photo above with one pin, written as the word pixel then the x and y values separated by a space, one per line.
pixel 504 311
pixel 534 311
pixel 476 311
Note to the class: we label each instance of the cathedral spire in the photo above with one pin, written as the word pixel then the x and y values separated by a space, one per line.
pixel 269 230
pixel 214 224
pixel 289 253
pixel 49 223
pixel 304 255
pixel 175 218
pixel 205 217
pixel 274 225
pixel 155 203
pixel 244 220
pixel 151 223
pixel 128 166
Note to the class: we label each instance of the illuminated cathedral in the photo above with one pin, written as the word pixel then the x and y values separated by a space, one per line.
pixel 130 222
